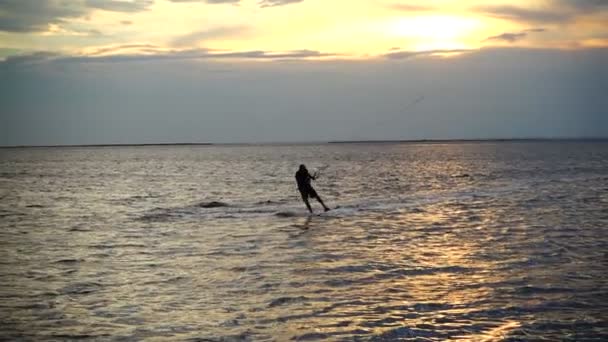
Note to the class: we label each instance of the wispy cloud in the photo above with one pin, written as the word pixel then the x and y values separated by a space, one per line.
pixel 508 37
pixel 412 54
pixel 120 6
pixel 538 29
pixel 511 37
pixel 219 32
pixel 273 3
pixel 116 49
pixel 147 52
pixel 520 14
pixel 262 3
pixel 555 11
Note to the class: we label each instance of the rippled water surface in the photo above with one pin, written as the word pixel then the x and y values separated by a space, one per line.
pixel 430 242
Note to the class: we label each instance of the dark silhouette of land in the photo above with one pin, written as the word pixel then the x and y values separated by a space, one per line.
pixel 111 145
pixel 441 141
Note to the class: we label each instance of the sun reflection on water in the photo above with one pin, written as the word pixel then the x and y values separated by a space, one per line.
pixel 434 242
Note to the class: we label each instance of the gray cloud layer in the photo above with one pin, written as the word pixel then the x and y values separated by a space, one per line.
pixel 36 15
pixel 489 93
pixel 583 5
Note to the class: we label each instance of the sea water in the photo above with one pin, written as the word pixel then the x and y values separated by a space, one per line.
pixel 494 241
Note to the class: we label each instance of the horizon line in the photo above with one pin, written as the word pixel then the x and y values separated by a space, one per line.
pixel 334 142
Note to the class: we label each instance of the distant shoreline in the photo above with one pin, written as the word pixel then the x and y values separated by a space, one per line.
pixel 431 141
pixel 332 142
pixel 108 145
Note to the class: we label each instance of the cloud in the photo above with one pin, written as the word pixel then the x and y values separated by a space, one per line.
pixel 557 11
pixel 37 15
pixel 215 33
pixel 147 52
pixel 119 5
pixel 509 37
pixel 513 37
pixel 583 5
pixel 274 3
pixel 115 49
pixel 482 94
pixel 91 32
pixel 294 54
pixel 410 8
pixel 5 52
pixel 538 29
pixel 262 3
pixel 523 14
pixel 411 54
pixel 32 58
pixel 210 1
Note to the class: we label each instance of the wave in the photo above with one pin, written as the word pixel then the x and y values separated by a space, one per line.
pixel 68 261
pixel 213 204
pixel 157 217
pixel 81 288
pixel 285 300
pixel 283 209
pixel 286 214
pixel 292 208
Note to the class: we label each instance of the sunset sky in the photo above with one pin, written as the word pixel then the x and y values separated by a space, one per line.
pixel 92 45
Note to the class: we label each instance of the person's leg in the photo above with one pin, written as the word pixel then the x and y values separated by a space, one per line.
pixel 305 199
pixel 321 201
